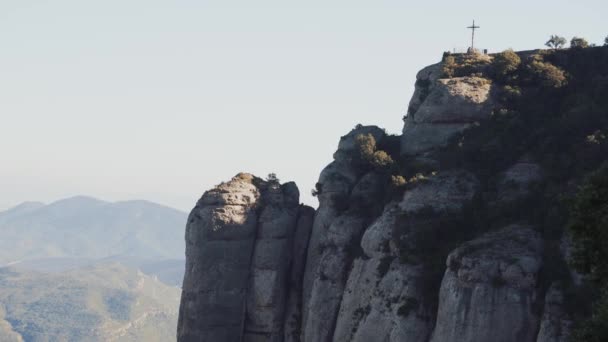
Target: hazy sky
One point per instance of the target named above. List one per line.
(160, 100)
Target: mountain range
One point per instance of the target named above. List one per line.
(85, 269)
(85, 227)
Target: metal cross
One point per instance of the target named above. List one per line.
(473, 27)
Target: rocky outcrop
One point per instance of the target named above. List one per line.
(442, 107)
(436, 256)
(515, 182)
(346, 207)
(382, 300)
(489, 291)
(239, 249)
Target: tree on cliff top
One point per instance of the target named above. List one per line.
(578, 42)
(556, 42)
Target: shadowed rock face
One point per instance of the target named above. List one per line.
(240, 249)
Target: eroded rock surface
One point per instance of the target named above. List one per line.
(442, 107)
(489, 290)
(444, 256)
(239, 250)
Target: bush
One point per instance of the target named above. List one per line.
(505, 64)
(369, 154)
(606, 41)
(398, 181)
(589, 226)
(381, 159)
(510, 94)
(471, 64)
(546, 73)
(449, 66)
(579, 43)
(317, 190)
(272, 178)
(596, 328)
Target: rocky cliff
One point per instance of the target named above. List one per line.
(450, 232)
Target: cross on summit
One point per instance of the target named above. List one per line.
(473, 27)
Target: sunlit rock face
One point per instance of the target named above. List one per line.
(442, 108)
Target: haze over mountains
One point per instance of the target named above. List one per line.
(85, 268)
(85, 227)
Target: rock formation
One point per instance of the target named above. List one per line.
(245, 241)
(446, 252)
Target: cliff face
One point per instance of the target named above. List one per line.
(468, 246)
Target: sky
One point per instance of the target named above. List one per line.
(162, 100)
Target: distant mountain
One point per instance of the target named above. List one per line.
(107, 302)
(84, 227)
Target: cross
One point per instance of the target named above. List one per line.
(473, 27)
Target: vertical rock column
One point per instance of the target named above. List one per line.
(239, 250)
(272, 257)
(220, 236)
(348, 194)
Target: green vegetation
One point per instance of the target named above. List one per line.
(545, 73)
(507, 68)
(550, 122)
(317, 190)
(556, 42)
(467, 65)
(554, 112)
(595, 329)
(370, 154)
(449, 66)
(90, 304)
(272, 178)
(589, 226)
(398, 181)
(578, 42)
(505, 64)
(510, 94)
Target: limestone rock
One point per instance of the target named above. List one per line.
(382, 297)
(489, 289)
(441, 108)
(515, 182)
(293, 311)
(334, 231)
(239, 252)
(445, 193)
(555, 324)
(370, 264)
